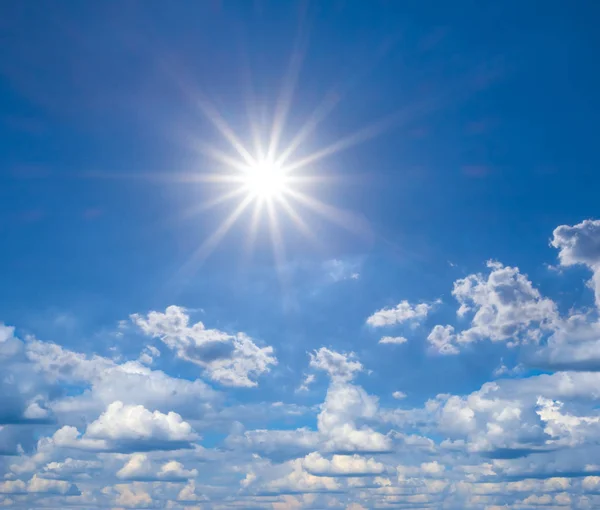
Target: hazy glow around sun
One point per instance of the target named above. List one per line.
(265, 180)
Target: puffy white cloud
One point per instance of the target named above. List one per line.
(442, 339)
(133, 495)
(107, 381)
(580, 244)
(6, 332)
(13, 487)
(402, 312)
(504, 306)
(174, 470)
(190, 493)
(38, 484)
(574, 345)
(339, 366)
(426, 469)
(137, 467)
(297, 479)
(342, 465)
(122, 423)
(345, 405)
(140, 467)
(393, 340)
(232, 360)
(399, 395)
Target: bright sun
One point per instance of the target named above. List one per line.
(265, 180)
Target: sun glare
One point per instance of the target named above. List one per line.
(265, 180)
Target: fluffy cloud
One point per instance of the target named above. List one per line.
(127, 424)
(340, 367)
(443, 339)
(580, 244)
(393, 340)
(402, 312)
(297, 480)
(38, 485)
(504, 306)
(87, 431)
(139, 467)
(232, 360)
(342, 465)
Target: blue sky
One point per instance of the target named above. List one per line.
(404, 313)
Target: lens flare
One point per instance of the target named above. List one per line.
(265, 180)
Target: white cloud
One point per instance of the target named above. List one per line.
(402, 312)
(397, 340)
(504, 306)
(37, 484)
(580, 244)
(342, 465)
(399, 395)
(6, 332)
(140, 467)
(442, 340)
(232, 360)
(308, 380)
(340, 367)
(131, 495)
(124, 423)
(298, 479)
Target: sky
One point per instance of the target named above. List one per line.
(299, 255)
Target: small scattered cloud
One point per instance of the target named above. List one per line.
(397, 340)
(399, 314)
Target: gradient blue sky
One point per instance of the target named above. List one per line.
(431, 338)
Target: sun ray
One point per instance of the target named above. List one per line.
(206, 248)
(371, 131)
(212, 114)
(296, 218)
(317, 116)
(252, 114)
(345, 219)
(277, 245)
(181, 177)
(205, 206)
(287, 92)
(219, 156)
(252, 233)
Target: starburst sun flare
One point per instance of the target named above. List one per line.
(266, 180)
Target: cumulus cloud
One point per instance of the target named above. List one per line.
(530, 441)
(342, 465)
(139, 467)
(443, 339)
(38, 485)
(580, 244)
(232, 360)
(297, 480)
(127, 424)
(402, 312)
(505, 307)
(339, 366)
